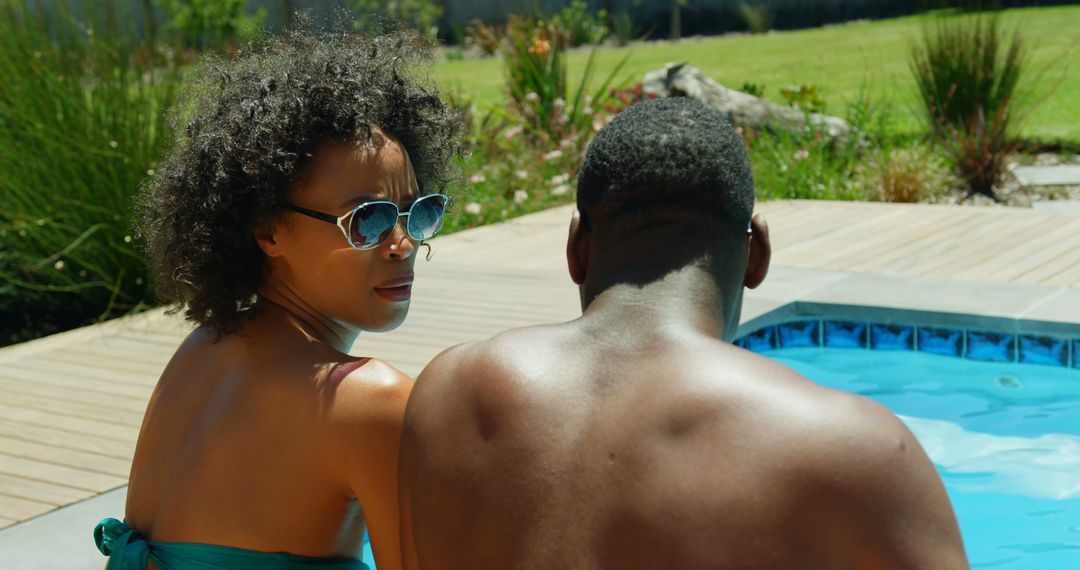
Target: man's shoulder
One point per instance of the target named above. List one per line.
(505, 364)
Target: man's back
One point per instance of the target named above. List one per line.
(590, 446)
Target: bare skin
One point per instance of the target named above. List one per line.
(274, 438)
(637, 437)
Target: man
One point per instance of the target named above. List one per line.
(637, 436)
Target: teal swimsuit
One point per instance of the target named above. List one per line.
(129, 550)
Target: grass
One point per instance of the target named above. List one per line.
(841, 60)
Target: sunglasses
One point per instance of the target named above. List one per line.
(368, 225)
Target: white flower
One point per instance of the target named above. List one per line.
(114, 144)
(127, 239)
(513, 132)
(520, 196)
(553, 154)
(560, 190)
(532, 96)
(59, 265)
(477, 178)
(521, 174)
(588, 110)
(560, 179)
(138, 281)
(558, 105)
(472, 208)
(802, 154)
(150, 172)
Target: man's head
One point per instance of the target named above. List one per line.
(665, 185)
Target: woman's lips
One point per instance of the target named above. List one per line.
(399, 289)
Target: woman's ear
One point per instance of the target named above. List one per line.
(267, 236)
(577, 248)
(759, 254)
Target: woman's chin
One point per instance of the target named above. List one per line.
(389, 322)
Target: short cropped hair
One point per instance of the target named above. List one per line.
(667, 160)
(247, 131)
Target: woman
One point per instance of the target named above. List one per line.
(285, 221)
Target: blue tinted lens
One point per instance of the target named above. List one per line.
(372, 223)
(426, 216)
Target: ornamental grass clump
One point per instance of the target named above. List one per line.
(81, 124)
(534, 61)
(969, 72)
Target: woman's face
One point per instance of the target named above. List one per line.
(366, 289)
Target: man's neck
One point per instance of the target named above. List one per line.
(278, 300)
(685, 300)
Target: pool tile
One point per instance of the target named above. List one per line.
(799, 334)
(946, 342)
(991, 347)
(844, 334)
(892, 337)
(761, 340)
(1044, 350)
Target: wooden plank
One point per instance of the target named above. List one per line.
(45, 364)
(47, 435)
(66, 457)
(61, 422)
(19, 508)
(74, 410)
(59, 474)
(978, 245)
(41, 491)
(97, 357)
(19, 371)
(900, 246)
(67, 394)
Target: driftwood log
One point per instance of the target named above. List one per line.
(745, 110)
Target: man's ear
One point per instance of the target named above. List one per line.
(759, 252)
(577, 249)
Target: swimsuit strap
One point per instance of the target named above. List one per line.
(113, 536)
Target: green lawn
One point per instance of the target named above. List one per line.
(840, 59)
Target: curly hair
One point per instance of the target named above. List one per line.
(252, 126)
(668, 157)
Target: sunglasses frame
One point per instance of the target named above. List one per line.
(345, 220)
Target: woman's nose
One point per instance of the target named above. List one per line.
(399, 246)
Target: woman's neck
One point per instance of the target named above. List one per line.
(278, 299)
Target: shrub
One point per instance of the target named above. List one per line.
(484, 36)
(969, 72)
(809, 164)
(420, 15)
(757, 17)
(581, 27)
(211, 24)
(805, 97)
(623, 28)
(534, 63)
(905, 175)
(81, 124)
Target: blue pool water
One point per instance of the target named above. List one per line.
(1005, 438)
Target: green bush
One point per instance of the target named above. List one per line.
(214, 25)
(421, 15)
(582, 28)
(534, 63)
(809, 164)
(757, 17)
(969, 74)
(81, 124)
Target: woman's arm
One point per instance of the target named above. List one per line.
(369, 409)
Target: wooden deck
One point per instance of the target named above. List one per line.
(71, 404)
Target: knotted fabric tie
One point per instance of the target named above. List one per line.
(125, 547)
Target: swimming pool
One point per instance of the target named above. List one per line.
(998, 413)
